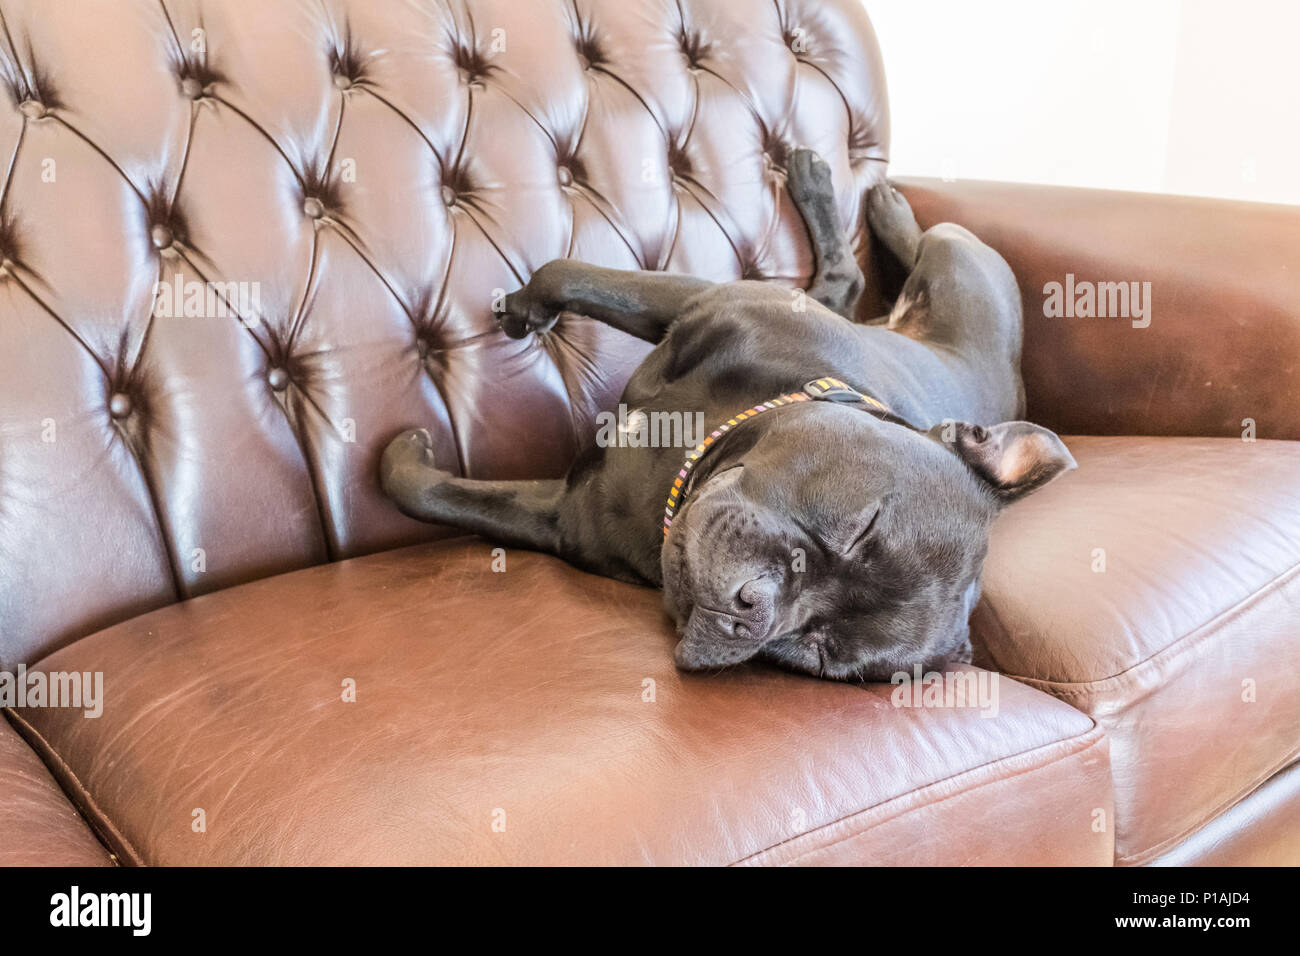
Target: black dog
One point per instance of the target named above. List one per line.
(819, 528)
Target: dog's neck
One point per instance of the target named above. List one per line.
(825, 389)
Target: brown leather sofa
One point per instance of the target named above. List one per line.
(295, 673)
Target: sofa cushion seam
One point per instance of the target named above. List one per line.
(1143, 856)
(1097, 735)
(1100, 737)
(95, 816)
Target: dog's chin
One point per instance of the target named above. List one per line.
(804, 656)
(692, 657)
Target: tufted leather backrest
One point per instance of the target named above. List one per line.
(244, 242)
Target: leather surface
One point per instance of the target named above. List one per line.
(1223, 344)
(522, 697)
(380, 171)
(1261, 830)
(38, 826)
(1183, 644)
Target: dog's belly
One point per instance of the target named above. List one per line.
(745, 343)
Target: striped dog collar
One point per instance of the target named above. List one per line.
(822, 389)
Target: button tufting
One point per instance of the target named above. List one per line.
(161, 237)
(693, 49)
(589, 52)
(679, 164)
(119, 406)
(268, 128)
(472, 64)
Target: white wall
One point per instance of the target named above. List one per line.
(1182, 96)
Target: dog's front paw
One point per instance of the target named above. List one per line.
(808, 176)
(408, 455)
(521, 314)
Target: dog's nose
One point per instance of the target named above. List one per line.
(753, 605)
(754, 593)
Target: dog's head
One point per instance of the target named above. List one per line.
(836, 543)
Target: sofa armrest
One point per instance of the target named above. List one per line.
(1220, 340)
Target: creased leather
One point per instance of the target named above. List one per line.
(38, 825)
(546, 699)
(1259, 831)
(1157, 588)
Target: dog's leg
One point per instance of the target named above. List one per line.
(837, 281)
(959, 293)
(520, 513)
(643, 304)
(893, 223)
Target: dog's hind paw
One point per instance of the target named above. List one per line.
(892, 221)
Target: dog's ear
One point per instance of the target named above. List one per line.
(1014, 458)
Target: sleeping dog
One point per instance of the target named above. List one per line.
(835, 515)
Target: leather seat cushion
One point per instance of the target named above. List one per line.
(38, 826)
(1182, 644)
(1259, 831)
(534, 716)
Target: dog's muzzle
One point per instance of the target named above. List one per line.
(716, 638)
